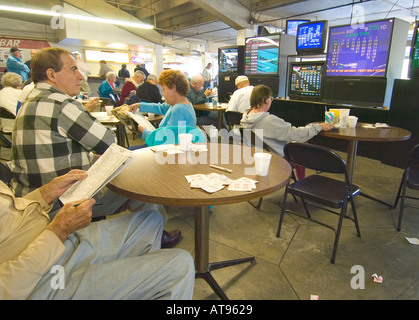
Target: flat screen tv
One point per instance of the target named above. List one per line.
(359, 51)
(311, 37)
(292, 26)
(262, 55)
(414, 54)
(305, 80)
(228, 59)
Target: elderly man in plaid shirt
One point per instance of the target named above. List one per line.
(54, 134)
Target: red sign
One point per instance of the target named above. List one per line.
(23, 44)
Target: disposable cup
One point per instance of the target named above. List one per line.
(328, 116)
(352, 120)
(151, 116)
(335, 115)
(109, 110)
(343, 117)
(262, 161)
(185, 141)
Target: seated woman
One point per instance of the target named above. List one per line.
(9, 96)
(177, 109)
(276, 131)
(106, 88)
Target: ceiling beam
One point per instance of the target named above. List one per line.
(231, 12)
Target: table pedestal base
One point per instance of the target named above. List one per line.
(202, 266)
(207, 276)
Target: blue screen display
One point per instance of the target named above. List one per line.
(359, 51)
(310, 36)
(292, 26)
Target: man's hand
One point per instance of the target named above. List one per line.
(208, 92)
(93, 104)
(57, 186)
(72, 217)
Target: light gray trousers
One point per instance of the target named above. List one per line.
(120, 258)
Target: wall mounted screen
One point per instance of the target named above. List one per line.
(359, 52)
(292, 26)
(311, 37)
(262, 55)
(306, 80)
(228, 60)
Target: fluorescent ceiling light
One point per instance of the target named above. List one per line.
(117, 45)
(77, 17)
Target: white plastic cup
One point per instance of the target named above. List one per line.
(109, 110)
(262, 161)
(344, 117)
(185, 141)
(151, 116)
(352, 120)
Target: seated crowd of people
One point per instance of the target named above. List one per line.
(54, 138)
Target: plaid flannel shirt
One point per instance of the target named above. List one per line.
(53, 134)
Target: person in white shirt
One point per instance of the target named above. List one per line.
(84, 71)
(240, 100)
(9, 95)
(206, 74)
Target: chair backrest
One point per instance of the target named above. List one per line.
(4, 142)
(169, 135)
(315, 157)
(5, 173)
(413, 161)
(251, 139)
(233, 118)
(4, 113)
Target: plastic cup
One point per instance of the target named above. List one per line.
(150, 116)
(344, 117)
(335, 115)
(185, 141)
(328, 116)
(352, 120)
(262, 161)
(109, 110)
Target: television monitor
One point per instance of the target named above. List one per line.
(292, 26)
(262, 55)
(359, 51)
(305, 80)
(228, 59)
(414, 54)
(311, 37)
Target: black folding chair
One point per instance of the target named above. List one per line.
(324, 191)
(410, 179)
(5, 173)
(232, 118)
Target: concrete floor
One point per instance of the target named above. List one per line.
(297, 265)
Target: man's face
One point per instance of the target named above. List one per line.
(17, 54)
(69, 79)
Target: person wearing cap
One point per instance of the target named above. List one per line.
(240, 100)
(14, 64)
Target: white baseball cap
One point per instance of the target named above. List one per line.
(241, 79)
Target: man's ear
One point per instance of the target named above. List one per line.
(50, 74)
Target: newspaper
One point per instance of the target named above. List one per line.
(141, 120)
(109, 165)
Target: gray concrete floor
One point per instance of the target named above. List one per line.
(297, 265)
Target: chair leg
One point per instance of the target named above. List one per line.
(358, 232)
(403, 182)
(338, 229)
(403, 198)
(281, 218)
